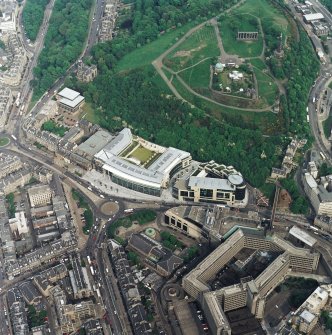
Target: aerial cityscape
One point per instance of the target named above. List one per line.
(165, 167)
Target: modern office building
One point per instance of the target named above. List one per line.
(69, 100)
(40, 195)
(319, 193)
(200, 222)
(122, 161)
(313, 17)
(214, 183)
(250, 292)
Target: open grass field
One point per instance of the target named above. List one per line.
(267, 88)
(257, 62)
(330, 85)
(142, 154)
(89, 114)
(199, 46)
(197, 76)
(265, 11)
(149, 52)
(4, 141)
(230, 25)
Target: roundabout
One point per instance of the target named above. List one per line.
(109, 208)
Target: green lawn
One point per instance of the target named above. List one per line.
(149, 52)
(265, 11)
(257, 62)
(197, 76)
(4, 141)
(143, 217)
(90, 114)
(54, 128)
(142, 154)
(200, 45)
(330, 85)
(267, 88)
(230, 25)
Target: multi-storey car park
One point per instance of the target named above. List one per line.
(250, 292)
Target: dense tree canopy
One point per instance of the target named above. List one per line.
(64, 42)
(33, 14)
(150, 18)
(133, 99)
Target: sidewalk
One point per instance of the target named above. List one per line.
(76, 214)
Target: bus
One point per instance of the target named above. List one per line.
(98, 293)
(92, 270)
(89, 260)
(17, 102)
(322, 155)
(308, 118)
(14, 137)
(129, 210)
(313, 100)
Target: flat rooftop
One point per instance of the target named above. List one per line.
(95, 142)
(211, 183)
(118, 143)
(72, 103)
(170, 158)
(70, 97)
(313, 16)
(68, 93)
(302, 236)
(131, 172)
